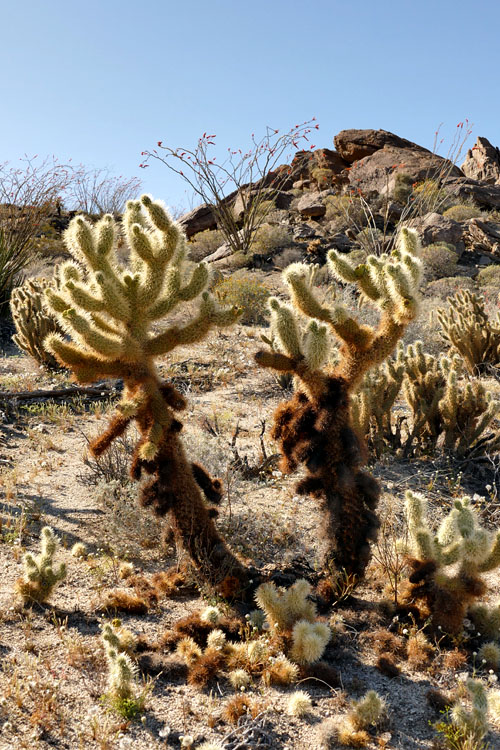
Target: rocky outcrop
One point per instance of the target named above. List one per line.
(377, 173)
(483, 162)
(353, 145)
(483, 236)
(198, 220)
(465, 189)
(436, 228)
(305, 162)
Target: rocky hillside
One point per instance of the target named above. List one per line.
(352, 198)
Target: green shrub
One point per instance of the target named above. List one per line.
(440, 260)
(489, 276)
(323, 177)
(346, 211)
(205, 243)
(245, 292)
(370, 240)
(269, 238)
(449, 286)
(462, 212)
(402, 188)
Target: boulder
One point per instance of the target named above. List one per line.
(311, 206)
(198, 220)
(376, 174)
(280, 198)
(483, 162)
(437, 228)
(353, 145)
(304, 162)
(465, 189)
(304, 232)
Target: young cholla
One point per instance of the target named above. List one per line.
(473, 724)
(469, 331)
(33, 321)
(122, 671)
(108, 311)
(292, 611)
(371, 405)
(40, 575)
(315, 427)
(461, 542)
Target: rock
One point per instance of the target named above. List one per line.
(482, 236)
(356, 144)
(465, 189)
(198, 220)
(304, 232)
(224, 251)
(483, 162)
(376, 174)
(341, 242)
(280, 198)
(436, 228)
(301, 184)
(304, 162)
(311, 205)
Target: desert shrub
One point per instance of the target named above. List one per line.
(205, 243)
(440, 260)
(462, 212)
(448, 286)
(370, 239)
(269, 237)
(489, 276)
(323, 177)
(469, 331)
(430, 197)
(290, 255)
(346, 211)
(33, 321)
(246, 293)
(402, 188)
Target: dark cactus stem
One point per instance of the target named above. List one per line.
(318, 434)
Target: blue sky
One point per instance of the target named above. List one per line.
(100, 81)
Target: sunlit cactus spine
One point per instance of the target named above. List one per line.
(447, 565)
(315, 427)
(41, 575)
(121, 669)
(109, 310)
(33, 321)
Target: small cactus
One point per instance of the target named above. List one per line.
(34, 321)
(472, 723)
(460, 546)
(40, 574)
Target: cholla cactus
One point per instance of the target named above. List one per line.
(108, 310)
(33, 321)
(368, 711)
(372, 403)
(315, 427)
(285, 607)
(461, 542)
(122, 671)
(309, 641)
(40, 574)
(299, 704)
(291, 611)
(473, 724)
(444, 406)
(486, 619)
(468, 330)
